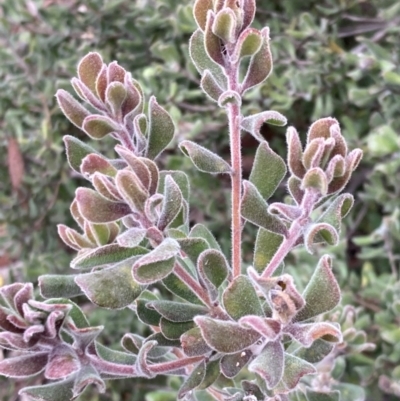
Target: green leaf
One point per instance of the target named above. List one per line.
(212, 373)
(224, 25)
(317, 352)
(193, 343)
(337, 210)
(232, 364)
(98, 126)
(177, 311)
(71, 108)
(174, 330)
(267, 243)
(161, 129)
(179, 288)
(106, 255)
(204, 159)
(59, 391)
(255, 210)
(200, 230)
(193, 247)
(210, 86)
(111, 288)
(315, 178)
(180, 178)
(268, 170)
(114, 356)
(213, 267)
(322, 293)
(194, 380)
(116, 94)
(248, 44)
(254, 123)
(313, 395)
(89, 68)
(172, 203)
(240, 299)
(145, 314)
(320, 232)
(54, 285)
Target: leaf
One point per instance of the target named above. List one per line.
(255, 210)
(161, 129)
(71, 108)
(337, 210)
(204, 159)
(157, 264)
(200, 10)
(145, 314)
(194, 380)
(248, 43)
(267, 243)
(111, 288)
(23, 366)
(59, 391)
(172, 203)
(175, 285)
(307, 333)
(268, 170)
(62, 362)
(105, 187)
(317, 352)
(76, 151)
(270, 363)
(98, 126)
(89, 68)
(87, 376)
(267, 327)
(212, 374)
(200, 230)
(174, 330)
(210, 86)
(229, 97)
(216, 332)
(294, 188)
(116, 94)
(315, 179)
(193, 247)
(106, 255)
(322, 293)
(193, 343)
(240, 299)
(295, 153)
(177, 311)
(224, 25)
(320, 232)
(313, 395)
(254, 123)
(232, 364)
(54, 285)
(260, 64)
(212, 43)
(93, 163)
(97, 209)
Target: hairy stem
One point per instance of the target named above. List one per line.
(296, 230)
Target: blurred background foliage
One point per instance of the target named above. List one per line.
(331, 58)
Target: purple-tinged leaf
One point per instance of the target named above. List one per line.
(133, 104)
(203, 62)
(193, 343)
(212, 43)
(76, 215)
(224, 25)
(255, 210)
(116, 94)
(97, 209)
(87, 95)
(111, 288)
(307, 333)
(241, 289)
(335, 168)
(177, 311)
(229, 97)
(210, 86)
(249, 11)
(32, 332)
(8, 293)
(295, 368)
(13, 341)
(270, 363)
(154, 173)
(174, 330)
(52, 326)
(72, 309)
(254, 123)
(97, 126)
(24, 366)
(72, 109)
(55, 285)
(319, 233)
(89, 68)
(133, 343)
(248, 44)
(337, 210)
(105, 187)
(288, 212)
(101, 83)
(64, 234)
(340, 145)
(268, 328)
(200, 10)
(140, 132)
(322, 293)
(315, 179)
(23, 295)
(115, 73)
(76, 151)
(205, 160)
(161, 129)
(142, 365)
(132, 190)
(95, 163)
(172, 203)
(194, 380)
(321, 128)
(215, 333)
(232, 364)
(157, 264)
(268, 170)
(131, 237)
(267, 243)
(260, 64)
(313, 395)
(295, 153)
(313, 153)
(59, 391)
(87, 376)
(62, 362)
(106, 255)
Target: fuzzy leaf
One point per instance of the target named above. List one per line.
(321, 128)
(87, 95)
(288, 212)
(76, 151)
(322, 293)
(193, 247)
(315, 178)
(200, 10)
(232, 364)
(193, 344)
(157, 264)
(24, 366)
(200, 230)
(240, 299)
(295, 153)
(131, 237)
(224, 25)
(294, 188)
(317, 352)
(180, 178)
(161, 129)
(267, 243)
(174, 330)
(194, 380)
(177, 311)
(87, 376)
(313, 395)
(213, 268)
(229, 97)
(105, 187)
(202, 61)
(115, 96)
(204, 159)
(59, 391)
(97, 126)
(268, 170)
(255, 210)
(216, 332)
(248, 44)
(72, 109)
(106, 255)
(89, 68)
(145, 314)
(54, 285)
(337, 210)
(179, 288)
(212, 373)
(93, 163)
(320, 232)
(111, 288)
(269, 364)
(260, 64)
(172, 203)
(254, 123)
(212, 42)
(62, 362)
(97, 209)
(132, 190)
(210, 86)
(268, 328)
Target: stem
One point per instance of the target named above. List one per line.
(113, 368)
(296, 230)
